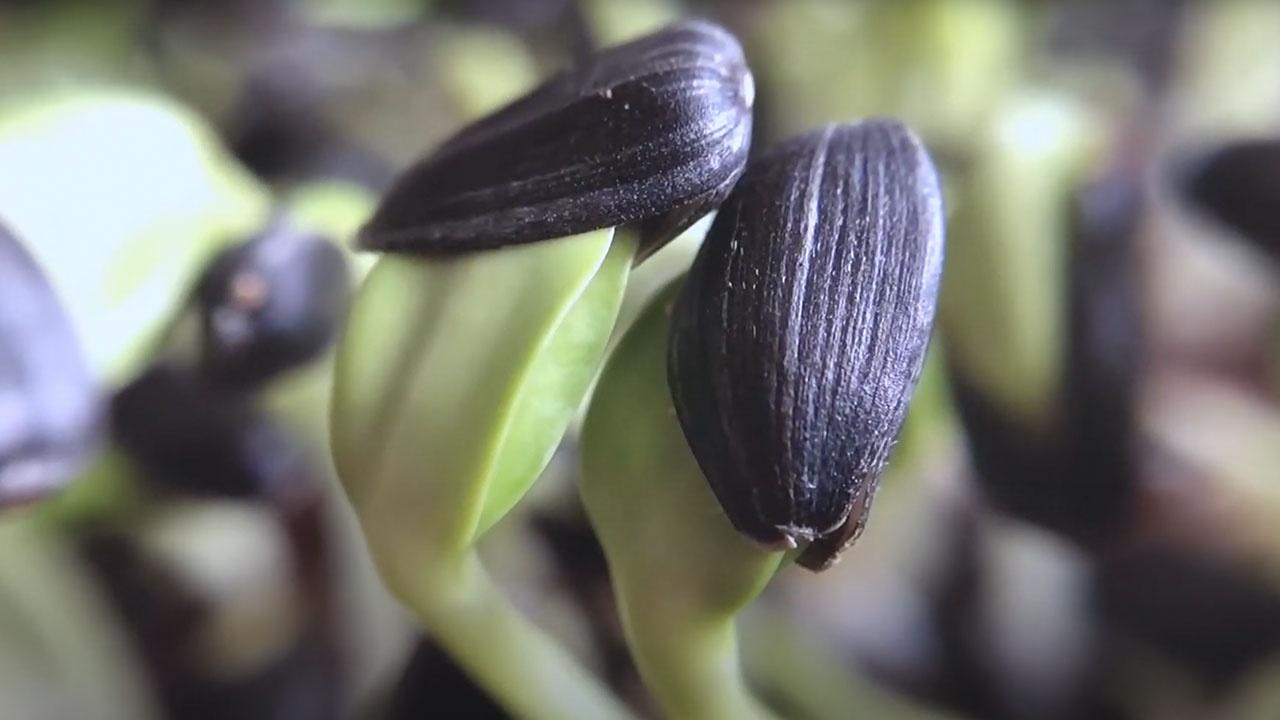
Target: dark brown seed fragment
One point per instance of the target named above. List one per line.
(800, 334)
(653, 132)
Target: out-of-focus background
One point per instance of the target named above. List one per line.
(1082, 519)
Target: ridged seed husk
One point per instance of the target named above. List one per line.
(802, 329)
(653, 132)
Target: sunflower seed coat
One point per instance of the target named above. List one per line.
(802, 329)
(653, 132)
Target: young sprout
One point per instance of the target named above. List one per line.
(653, 132)
(470, 348)
(1003, 308)
(798, 339)
(49, 402)
(1041, 314)
(680, 571)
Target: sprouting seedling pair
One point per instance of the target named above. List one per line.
(461, 370)
(793, 349)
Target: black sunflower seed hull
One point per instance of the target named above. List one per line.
(49, 402)
(1104, 350)
(1238, 185)
(269, 305)
(192, 438)
(653, 132)
(1075, 473)
(802, 329)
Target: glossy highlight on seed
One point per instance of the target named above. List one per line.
(270, 304)
(49, 402)
(798, 338)
(652, 133)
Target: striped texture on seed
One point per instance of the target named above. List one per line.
(802, 329)
(653, 132)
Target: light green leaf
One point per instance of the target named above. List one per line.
(121, 197)
(455, 381)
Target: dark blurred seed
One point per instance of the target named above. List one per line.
(285, 126)
(1104, 349)
(280, 131)
(652, 132)
(798, 338)
(432, 681)
(553, 30)
(516, 15)
(189, 437)
(170, 623)
(1144, 34)
(49, 402)
(1214, 618)
(269, 305)
(161, 614)
(1076, 475)
(1239, 186)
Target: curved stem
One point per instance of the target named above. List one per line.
(519, 664)
(691, 665)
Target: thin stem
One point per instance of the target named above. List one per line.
(692, 666)
(520, 665)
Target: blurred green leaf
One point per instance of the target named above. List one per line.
(483, 68)
(122, 197)
(615, 22)
(1230, 82)
(1003, 306)
(363, 14)
(940, 66)
(62, 652)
